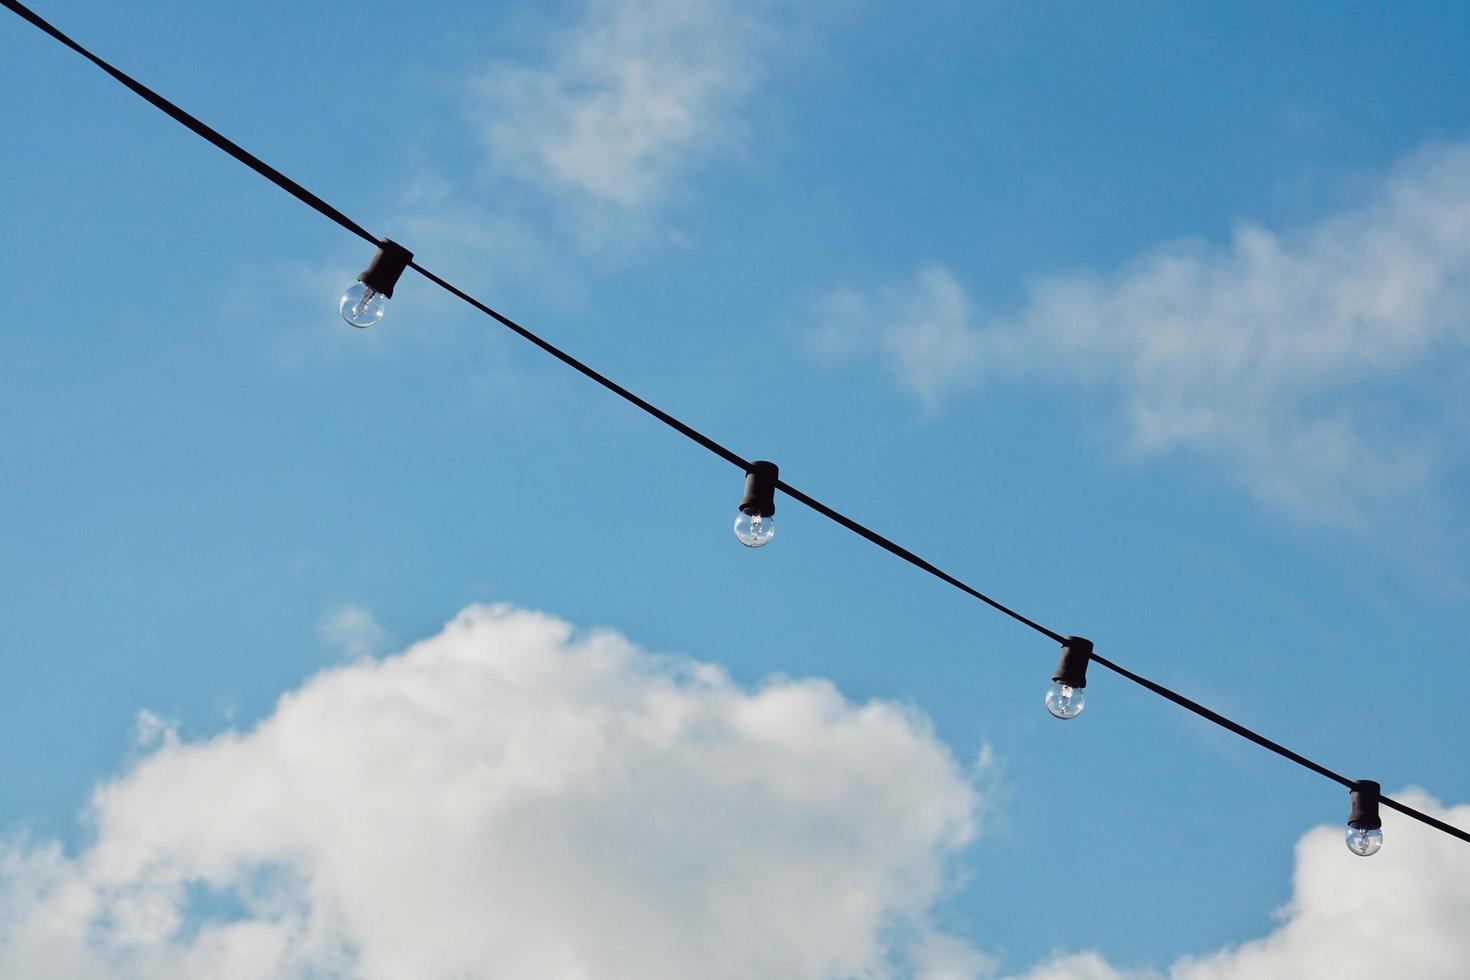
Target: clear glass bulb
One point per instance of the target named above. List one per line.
(1364, 842)
(361, 306)
(1065, 702)
(754, 530)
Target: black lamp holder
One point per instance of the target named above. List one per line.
(760, 489)
(383, 271)
(1363, 811)
(1072, 668)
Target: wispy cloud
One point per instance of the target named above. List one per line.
(352, 630)
(579, 155)
(509, 798)
(629, 100)
(923, 331)
(1321, 368)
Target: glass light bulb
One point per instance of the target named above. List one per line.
(1064, 701)
(361, 306)
(754, 530)
(1363, 841)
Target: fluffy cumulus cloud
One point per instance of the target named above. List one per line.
(1401, 913)
(636, 93)
(511, 798)
(1322, 368)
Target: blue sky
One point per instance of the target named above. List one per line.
(1150, 321)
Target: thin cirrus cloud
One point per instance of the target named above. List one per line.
(586, 148)
(511, 798)
(923, 331)
(635, 95)
(1399, 914)
(588, 143)
(352, 631)
(1321, 368)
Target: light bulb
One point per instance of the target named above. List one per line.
(1364, 829)
(1064, 701)
(1364, 841)
(753, 530)
(364, 302)
(754, 525)
(362, 306)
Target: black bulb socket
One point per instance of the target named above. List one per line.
(383, 271)
(760, 489)
(1363, 810)
(1072, 668)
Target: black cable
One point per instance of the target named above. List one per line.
(307, 197)
(561, 355)
(724, 453)
(198, 128)
(1425, 818)
(1222, 721)
(911, 558)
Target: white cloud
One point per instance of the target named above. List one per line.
(352, 630)
(511, 799)
(1401, 913)
(585, 148)
(1080, 966)
(1322, 369)
(924, 331)
(636, 93)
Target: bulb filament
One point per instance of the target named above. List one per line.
(360, 307)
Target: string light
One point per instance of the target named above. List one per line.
(365, 304)
(1065, 699)
(755, 523)
(1365, 829)
(365, 301)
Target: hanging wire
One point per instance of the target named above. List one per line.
(299, 192)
